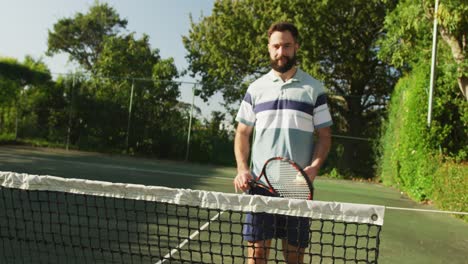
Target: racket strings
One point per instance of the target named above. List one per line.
(287, 180)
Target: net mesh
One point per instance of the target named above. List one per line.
(46, 219)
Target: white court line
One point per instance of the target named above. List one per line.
(151, 170)
(133, 168)
(425, 210)
(192, 236)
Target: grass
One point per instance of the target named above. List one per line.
(407, 237)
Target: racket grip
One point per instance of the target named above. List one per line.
(252, 184)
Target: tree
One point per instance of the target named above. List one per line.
(453, 17)
(409, 35)
(412, 151)
(44, 112)
(10, 79)
(122, 67)
(126, 60)
(227, 50)
(31, 71)
(131, 62)
(83, 36)
(16, 80)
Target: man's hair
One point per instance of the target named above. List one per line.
(284, 26)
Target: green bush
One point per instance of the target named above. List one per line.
(451, 187)
(7, 138)
(334, 174)
(406, 146)
(413, 155)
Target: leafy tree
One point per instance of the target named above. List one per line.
(122, 67)
(10, 80)
(16, 81)
(83, 36)
(31, 71)
(131, 61)
(407, 45)
(126, 60)
(409, 35)
(92, 109)
(227, 50)
(419, 159)
(44, 112)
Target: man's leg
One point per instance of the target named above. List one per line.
(292, 254)
(258, 252)
(258, 230)
(296, 238)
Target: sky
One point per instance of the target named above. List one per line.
(25, 24)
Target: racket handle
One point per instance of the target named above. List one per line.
(252, 183)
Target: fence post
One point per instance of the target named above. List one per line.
(433, 64)
(190, 123)
(70, 112)
(129, 116)
(18, 107)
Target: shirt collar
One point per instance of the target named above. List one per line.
(296, 78)
(271, 74)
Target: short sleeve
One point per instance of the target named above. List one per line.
(246, 114)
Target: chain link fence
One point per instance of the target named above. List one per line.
(136, 116)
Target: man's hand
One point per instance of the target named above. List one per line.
(241, 182)
(322, 147)
(311, 172)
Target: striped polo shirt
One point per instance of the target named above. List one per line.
(285, 116)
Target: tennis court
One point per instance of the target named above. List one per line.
(407, 237)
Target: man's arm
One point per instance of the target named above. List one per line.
(242, 150)
(322, 147)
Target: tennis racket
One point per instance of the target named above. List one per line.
(284, 178)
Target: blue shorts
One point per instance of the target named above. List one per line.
(263, 226)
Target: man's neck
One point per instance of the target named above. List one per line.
(286, 75)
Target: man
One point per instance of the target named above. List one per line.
(286, 107)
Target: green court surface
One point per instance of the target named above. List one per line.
(407, 236)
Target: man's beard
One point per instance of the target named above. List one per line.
(290, 62)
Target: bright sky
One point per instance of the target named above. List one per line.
(25, 24)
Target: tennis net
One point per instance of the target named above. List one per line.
(46, 219)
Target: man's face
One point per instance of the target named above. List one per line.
(282, 49)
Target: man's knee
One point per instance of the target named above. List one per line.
(258, 251)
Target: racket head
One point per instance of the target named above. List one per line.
(286, 178)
